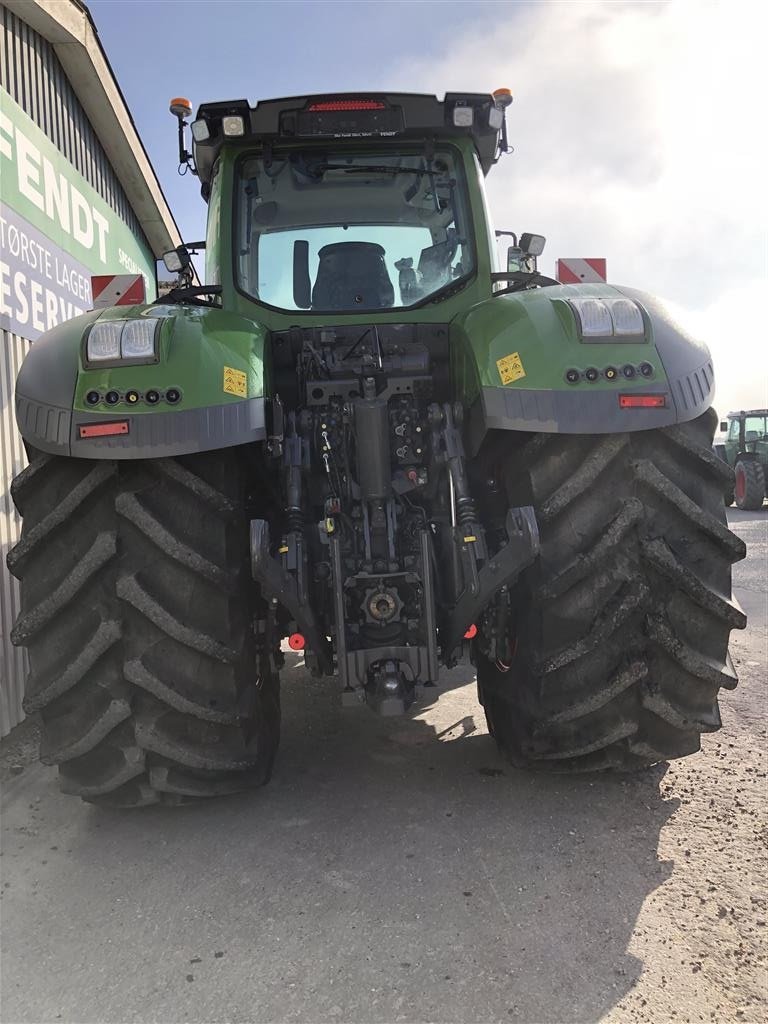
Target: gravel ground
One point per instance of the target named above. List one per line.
(397, 870)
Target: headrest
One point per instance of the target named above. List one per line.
(352, 275)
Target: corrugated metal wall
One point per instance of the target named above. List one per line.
(13, 660)
(30, 71)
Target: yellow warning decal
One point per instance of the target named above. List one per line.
(510, 368)
(235, 382)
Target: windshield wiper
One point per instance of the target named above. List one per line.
(371, 169)
(192, 294)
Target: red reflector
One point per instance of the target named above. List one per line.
(471, 632)
(332, 105)
(642, 401)
(104, 429)
(296, 642)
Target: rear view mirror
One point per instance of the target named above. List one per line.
(302, 286)
(515, 260)
(723, 426)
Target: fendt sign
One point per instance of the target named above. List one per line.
(55, 231)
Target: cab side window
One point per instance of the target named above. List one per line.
(755, 428)
(733, 431)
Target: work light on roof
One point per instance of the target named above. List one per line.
(463, 117)
(200, 130)
(233, 125)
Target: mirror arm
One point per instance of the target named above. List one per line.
(520, 279)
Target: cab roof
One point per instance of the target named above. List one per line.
(347, 117)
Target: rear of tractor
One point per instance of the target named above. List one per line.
(745, 449)
(361, 436)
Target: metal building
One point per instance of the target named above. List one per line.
(78, 196)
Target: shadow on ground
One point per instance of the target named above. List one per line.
(393, 870)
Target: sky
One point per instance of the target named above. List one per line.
(637, 128)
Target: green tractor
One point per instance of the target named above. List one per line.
(746, 451)
(363, 440)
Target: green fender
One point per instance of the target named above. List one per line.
(511, 354)
(214, 361)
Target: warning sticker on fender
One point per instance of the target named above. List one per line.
(235, 382)
(510, 368)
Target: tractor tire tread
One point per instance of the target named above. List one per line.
(136, 615)
(623, 622)
(754, 485)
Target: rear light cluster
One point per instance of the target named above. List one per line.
(133, 397)
(629, 372)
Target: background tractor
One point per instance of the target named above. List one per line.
(363, 437)
(745, 449)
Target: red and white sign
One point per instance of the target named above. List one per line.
(117, 290)
(586, 271)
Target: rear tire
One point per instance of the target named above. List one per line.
(620, 638)
(137, 612)
(749, 491)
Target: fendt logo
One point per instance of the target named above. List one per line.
(55, 231)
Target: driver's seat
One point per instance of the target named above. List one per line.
(352, 275)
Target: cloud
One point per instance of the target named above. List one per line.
(638, 137)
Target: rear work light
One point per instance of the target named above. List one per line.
(608, 317)
(233, 126)
(642, 401)
(124, 341)
(338, 105)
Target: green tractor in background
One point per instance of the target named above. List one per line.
(745, 449)
(364, 439)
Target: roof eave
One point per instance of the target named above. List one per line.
(69, 29)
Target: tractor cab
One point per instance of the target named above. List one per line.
(347, 204)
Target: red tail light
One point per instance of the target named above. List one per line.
(339, 105)
(642, 401)
(296, 642)
(471, 632)
(104, 429)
